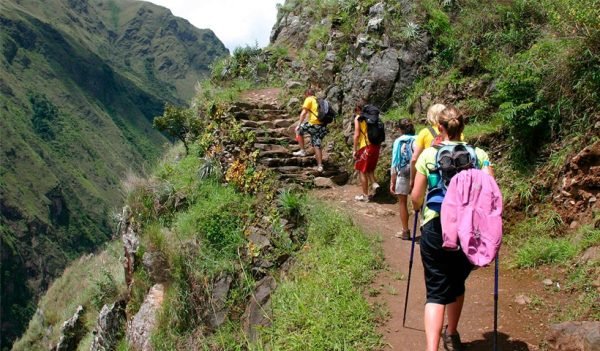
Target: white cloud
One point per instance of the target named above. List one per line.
(235, 22)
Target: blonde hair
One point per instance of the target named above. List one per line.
(433, 113)
(452, 120)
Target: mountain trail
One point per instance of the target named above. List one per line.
(522, 315)
(520, 326)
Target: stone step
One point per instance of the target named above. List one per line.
(270, 147)
(277, 132)
(290, 161)
(261, 115)
(275, 140)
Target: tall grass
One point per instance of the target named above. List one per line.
(322, 306)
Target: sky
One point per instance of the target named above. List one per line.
(235, 22)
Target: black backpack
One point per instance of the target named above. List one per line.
(450, 159)
(326, 113)
(375, 128)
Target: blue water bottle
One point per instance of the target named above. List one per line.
(433, 179)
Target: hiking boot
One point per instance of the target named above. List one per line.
(319, 169)
(404, 234)
(300, 153)
(362, 198)
(375, 186)
(452, 342)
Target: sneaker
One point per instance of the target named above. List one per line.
(375, 186)
(300, 153)
(451, 342)
(361, 197)
(403, 234)
(319, 169)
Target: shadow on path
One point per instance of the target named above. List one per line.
(504, 344)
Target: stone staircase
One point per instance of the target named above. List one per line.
(275, 138)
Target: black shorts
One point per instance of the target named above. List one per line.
(445, 271)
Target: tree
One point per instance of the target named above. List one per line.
(180, 123)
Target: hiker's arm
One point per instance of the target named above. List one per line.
(393, 183)
(418, 191)
(413, 164)
(356, 136)
(488, 169)
(303, 115)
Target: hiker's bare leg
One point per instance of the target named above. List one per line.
(454, 310)
(364, 183)
(403, 203)
(319, 156)
(301, 142)
(371, 176)
(434, 319)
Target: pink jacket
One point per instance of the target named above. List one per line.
(471, 216)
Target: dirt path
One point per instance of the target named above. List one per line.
(519, 327)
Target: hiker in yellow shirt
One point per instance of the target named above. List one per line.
(317, 131)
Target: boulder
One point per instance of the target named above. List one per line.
(258, 312)
(109, 327)
(72, 331)
(574, 336)
(322, 182)
(141, 326)
(218, 308)
(156, 264)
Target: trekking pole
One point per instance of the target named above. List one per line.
(496, 305)
(410, 264)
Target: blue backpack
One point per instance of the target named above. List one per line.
(450, 159)
(403, 147)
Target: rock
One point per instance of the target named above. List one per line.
(218, 308)
(258, 312)
(131, 244)
(141, 326)
(293, 84)
(574, 225)
(322, 182)
(574, 336)
(72, 331)
(547, 282)
(258, 237)
(156, 264)
(523, 300)
(293, 103)
(109, 327)
(592, 199)
(591, 256)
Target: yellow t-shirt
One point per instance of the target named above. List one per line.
(424, 138)
(310, 103)
(427, 157)
(362, 136)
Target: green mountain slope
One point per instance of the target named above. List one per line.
(80, 82)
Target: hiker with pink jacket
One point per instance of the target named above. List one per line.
(446, 270)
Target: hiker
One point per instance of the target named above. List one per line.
(312, 126)
(426, 137)
(365, 152)
(402, 151)
(445, 270)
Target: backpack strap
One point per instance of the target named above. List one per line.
(432, 131)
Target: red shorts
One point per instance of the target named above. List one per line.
(366, 158)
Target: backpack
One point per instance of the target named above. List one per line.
(437, 137)
(471, 216)
(326, 113)
(403, 148)
(375, 128)
(450, 159)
